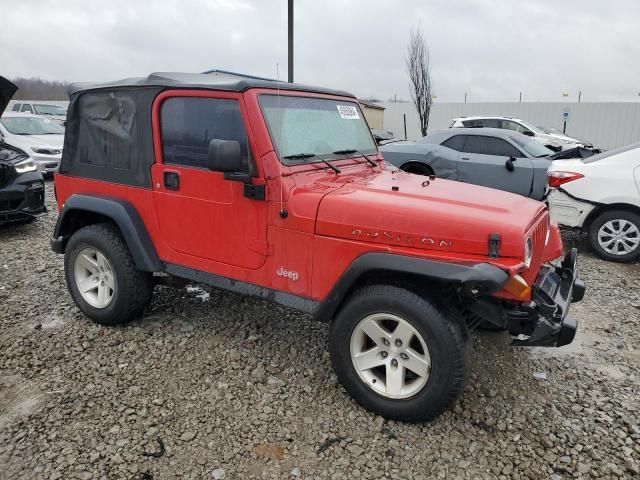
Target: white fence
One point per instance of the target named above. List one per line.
(607, 125)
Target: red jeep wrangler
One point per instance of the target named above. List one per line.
(278, 190)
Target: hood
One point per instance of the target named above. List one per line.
(396, 208)
(53, 141)
(7, 89)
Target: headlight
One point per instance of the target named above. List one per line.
(546, 239)
(46, 151)
(25, 166)
(528, 252)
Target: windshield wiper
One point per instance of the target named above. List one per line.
(300, 156)
(347, 151)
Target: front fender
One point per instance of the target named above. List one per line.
(474, 279)
(122, 213)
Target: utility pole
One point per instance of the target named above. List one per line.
(465, 97)
(579, 95)
(520, 101)
(290, 22)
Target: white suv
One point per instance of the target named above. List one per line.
(555, 141)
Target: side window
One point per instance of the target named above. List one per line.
(27, 108)
(490, 146)
(188, 124)
(491, 123)
(471, 123)
(456, 142)
(16, 107)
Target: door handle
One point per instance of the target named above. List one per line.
(464, 158)
(171, 180)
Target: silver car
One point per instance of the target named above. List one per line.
(41, 137)
(489, 157)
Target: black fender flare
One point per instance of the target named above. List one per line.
(476, 279)
(123, 214)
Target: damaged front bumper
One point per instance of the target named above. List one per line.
(544, 321)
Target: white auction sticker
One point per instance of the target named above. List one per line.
(348, 112)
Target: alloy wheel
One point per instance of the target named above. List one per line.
(390, 356)
(619, 237)
(94, 277)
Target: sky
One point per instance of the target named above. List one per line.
(492, 50)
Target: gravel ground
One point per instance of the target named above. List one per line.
(213, 385)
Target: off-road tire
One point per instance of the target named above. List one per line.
(133, 288)
(605, 217)
(441, 327)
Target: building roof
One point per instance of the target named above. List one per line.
(211, 80)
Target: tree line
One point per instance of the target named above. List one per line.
(39, 89)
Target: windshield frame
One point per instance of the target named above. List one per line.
(319, 157)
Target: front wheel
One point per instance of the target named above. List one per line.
(399, 355)
(615, 235)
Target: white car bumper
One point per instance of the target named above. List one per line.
(47, 164)
(566, 211)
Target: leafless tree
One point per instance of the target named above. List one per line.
(419, 68)
(39, 89)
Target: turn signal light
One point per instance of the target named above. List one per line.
(558, 178)
(517, 286)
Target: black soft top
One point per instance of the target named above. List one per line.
(211, 80)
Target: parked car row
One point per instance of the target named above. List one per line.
(586, 189)
(21, 185)
(549, 137)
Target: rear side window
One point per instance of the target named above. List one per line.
(27, 108)
(187, 126)
(490, 146)
(456, 142)
(16, 107)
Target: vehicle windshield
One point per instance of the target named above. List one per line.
(32, 126)
(531, 127)
(532, 147)
(552, 130)
(300, 126)
(50, 110)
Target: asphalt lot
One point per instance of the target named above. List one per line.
(213, 385)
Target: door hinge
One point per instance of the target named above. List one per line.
(255, 192)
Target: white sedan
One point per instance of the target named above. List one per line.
(41, 137)
(601, 196)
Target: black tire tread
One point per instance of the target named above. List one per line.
(456, 329)
(602, 218)
(134, 287)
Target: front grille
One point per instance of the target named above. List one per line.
(10, 201)
(35, 198)
(6, 172)
(538, 233)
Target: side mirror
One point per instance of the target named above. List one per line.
(509, 163)
(224, 156)
(528, 133)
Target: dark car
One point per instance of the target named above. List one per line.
(490, 157)
(21, 186)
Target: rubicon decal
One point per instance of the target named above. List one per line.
(409, 240)
(290, 274)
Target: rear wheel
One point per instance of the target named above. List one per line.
(615, 235)
(102, 277)
(418, 169)
(399, 355)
